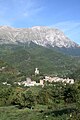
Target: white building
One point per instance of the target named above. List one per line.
(36, 71)
(41, 82)
(57, 79)
(28, 80)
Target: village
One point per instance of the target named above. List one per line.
(30, 82)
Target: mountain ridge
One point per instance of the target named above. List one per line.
(40, 35)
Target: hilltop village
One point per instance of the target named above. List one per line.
(30, 82)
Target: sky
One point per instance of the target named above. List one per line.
(61, 14)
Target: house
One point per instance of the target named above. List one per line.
(57, 79)
(41, 82)
(28, 80)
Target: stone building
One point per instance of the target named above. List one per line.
(36, 71)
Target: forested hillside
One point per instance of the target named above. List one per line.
(26, 57)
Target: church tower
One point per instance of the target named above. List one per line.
(36, 71)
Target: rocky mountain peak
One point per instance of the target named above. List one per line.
(40, 35)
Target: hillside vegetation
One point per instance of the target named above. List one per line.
(52, 102)
(25, 57)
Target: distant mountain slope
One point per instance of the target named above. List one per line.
(40, 35)
(25, 57)
(72, 51)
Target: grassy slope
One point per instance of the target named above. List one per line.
(40, 112)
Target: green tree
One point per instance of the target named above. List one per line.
(70, 94)
(43, 96)
(6, 95)
(24, 99)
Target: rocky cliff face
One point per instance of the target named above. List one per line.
(43, 36)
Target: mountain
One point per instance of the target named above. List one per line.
(72, 51)
(40, 35)
(42, 47)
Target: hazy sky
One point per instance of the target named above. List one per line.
(63, 14)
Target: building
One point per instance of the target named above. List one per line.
(28, 80)
(57, 79)
(41, 82)
(36, 71)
